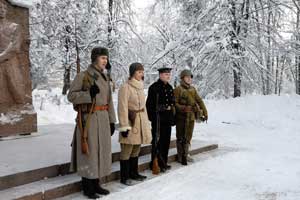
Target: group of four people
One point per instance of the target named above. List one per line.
(91, 95)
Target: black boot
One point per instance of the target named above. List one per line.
(184, 160)
(89, 188)
(134, 170)
(162, 165)
(168, 167)
(124, 167)
(99, 189)
(150, 165)
(165, 158)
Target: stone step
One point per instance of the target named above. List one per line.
(26, 177)
(61, 186)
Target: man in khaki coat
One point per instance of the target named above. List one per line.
(189, 108)
(134, 124)
(88, 87)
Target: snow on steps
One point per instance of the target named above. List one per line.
(60, 186)
(30, 176)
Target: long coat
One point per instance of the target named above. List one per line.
(98, 163)
(132, 97)
(186, 95)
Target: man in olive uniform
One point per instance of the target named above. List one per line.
(90, 92)
(160, 101)
(189, 107)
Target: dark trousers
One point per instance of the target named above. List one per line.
(163, 143)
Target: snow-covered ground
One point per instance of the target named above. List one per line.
(258, 158)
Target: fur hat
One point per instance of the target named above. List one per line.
(100, 51)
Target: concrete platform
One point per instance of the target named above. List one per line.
(45, 155)
(61, 186)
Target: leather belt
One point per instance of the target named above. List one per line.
(101, 108)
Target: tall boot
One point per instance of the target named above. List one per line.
(165, 158)
(179, 147)
(88, 188)
(161, 164)
(185, 154)
(124, 166)
(184, 160)
(134, 170)
(99, 189)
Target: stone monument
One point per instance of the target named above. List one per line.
(17, 115)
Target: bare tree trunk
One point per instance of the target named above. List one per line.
(277, 75)
(297, 58)
(237, 80)
(110, 26)
(67, 66)
(268, 85)
(67, 81)
(281, 77)
(235, 47)
(261, 52)
(238, 29)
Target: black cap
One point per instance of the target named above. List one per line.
(164, 70)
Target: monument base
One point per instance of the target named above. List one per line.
(17, 124)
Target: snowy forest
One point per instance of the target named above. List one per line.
(233, 47)
(202, 100)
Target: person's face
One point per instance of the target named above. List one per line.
(3, 9)
(101, 62)
(139, 75)
(188, 79)
(165, 77)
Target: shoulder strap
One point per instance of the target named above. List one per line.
(87, 80)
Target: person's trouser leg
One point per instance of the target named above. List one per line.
(180, 134)
(165, 144)
(189, 135)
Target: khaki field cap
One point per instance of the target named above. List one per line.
(186, 72)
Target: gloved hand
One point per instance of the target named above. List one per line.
(112, 128)
(187, 109)
(94, 90)
(125, 133)
(205, 118)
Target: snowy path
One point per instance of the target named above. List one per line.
(258, 159)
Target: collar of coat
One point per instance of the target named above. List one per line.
(93, 71)
(162, 83)
(185, 85)
(136, 84)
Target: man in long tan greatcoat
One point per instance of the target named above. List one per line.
(90, 92)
